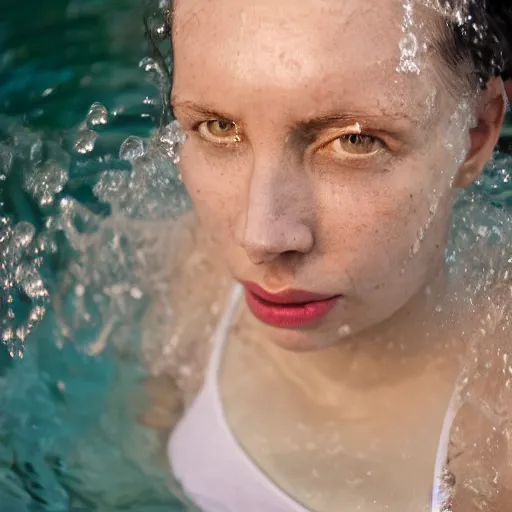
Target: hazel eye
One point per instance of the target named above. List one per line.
(219, 131)
(356, 144)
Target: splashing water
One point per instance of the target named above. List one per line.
(106, 257)
(409, 43)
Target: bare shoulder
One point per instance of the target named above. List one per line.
(184, 308)
(479, 458)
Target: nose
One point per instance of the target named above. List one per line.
(278, 216)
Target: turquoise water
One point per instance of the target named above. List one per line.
(70, 438)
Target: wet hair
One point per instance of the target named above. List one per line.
(478, 33)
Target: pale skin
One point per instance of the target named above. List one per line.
(313, 164)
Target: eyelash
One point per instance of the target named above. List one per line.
(196, 128)
(355, 156)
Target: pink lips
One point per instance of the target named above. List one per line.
(289, 308)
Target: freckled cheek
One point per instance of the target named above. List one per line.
(215, 191)
(371, 228)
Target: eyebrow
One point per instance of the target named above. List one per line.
(324, 121)
(200, 109)
(313, 124)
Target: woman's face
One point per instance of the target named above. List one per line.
(315, 158)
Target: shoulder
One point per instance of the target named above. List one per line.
(480, 451)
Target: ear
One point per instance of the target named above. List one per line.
(484, 136)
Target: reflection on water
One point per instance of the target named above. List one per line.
(87, 187)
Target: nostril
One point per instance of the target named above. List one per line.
(289, 254)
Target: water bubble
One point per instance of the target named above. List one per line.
(132, 148)
(22, 235)
(408, 50)
(22, 332)
(29, 279)
(409, 43)
(98, 115)
(37, 313)
(169, 138)
(45, 183)
(86, 141)
(149, 65)
(136, 293)
(159, 29)
(8, 335)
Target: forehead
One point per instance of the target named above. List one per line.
(295, 50)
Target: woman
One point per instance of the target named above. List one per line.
(326, 143)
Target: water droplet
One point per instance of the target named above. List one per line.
(86, 141)
(132, 148)
(8, 335)
(6, 159)
(23, 234)
(30, 281)
(22, 332)
(136, 293)
(36, 152)
(169, 138)
(149, 65)
(37, 313)
(344, 331)
(47, 92)
(98, 115)
(415, 249)
(46, 183)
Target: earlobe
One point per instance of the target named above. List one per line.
(485, 135)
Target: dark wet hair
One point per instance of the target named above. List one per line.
(478, 32)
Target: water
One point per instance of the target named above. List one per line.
(70, 435)
(86, 186)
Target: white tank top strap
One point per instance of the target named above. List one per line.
(441, 495)
(220, 335)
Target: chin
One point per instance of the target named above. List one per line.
(297, 340)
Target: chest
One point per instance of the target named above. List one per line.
(370, 451)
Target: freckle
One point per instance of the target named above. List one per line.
(410, 196)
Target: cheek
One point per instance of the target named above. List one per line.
(383, 228)
(213, 189)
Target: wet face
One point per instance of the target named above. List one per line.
(314, 164)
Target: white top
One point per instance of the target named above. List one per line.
(216, 473)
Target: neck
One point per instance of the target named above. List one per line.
(415, 341)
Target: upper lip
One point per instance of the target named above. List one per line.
(289, 296)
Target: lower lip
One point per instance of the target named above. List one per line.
(291, 316)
